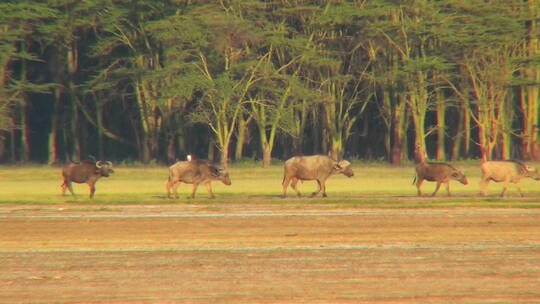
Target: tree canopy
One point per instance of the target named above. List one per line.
(152, 81)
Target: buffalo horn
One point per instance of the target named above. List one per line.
(109, 163)
(344, 163)
(99, 164)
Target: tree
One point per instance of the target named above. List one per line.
(136, 56)
(22, 25)
(230, 69)
(486, 62)
(528, 91)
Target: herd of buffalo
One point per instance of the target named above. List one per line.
(301, 168)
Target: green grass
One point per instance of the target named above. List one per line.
(374, 185)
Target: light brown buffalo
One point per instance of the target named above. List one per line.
(85, 172)
(314, 167)
(505, 171)
(194, 172)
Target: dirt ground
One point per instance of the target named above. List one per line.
(181, 253)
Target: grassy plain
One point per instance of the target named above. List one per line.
(374, 185)
(371, 241)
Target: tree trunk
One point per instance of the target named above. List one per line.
(466, 130)
(267, 155)
(301, 114)
(397, 146)
(211, 150)
(53, 153)
(417, 101)
(144, 150)
(505, 140)
(486, 147)
(13, 145)
(225, 156)
(458, 138)
(25, 125)
(171, 150)
(99, 123)
(75, 153)
(317, 133)
(25, 133)
(419, 128)
(336, 148)
(399, 129)
(440, 153)
(144, 142)
(529, 95)
(241, 137)
(3, 148)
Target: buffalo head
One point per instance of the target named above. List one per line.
(459, 176)
(104, 168)
(343, 167)
(532, 173)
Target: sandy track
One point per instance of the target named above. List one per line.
(267, 254)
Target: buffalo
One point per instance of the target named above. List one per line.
(195, 172)
(85, 172)
(313, 167)
(441, 173)
(506, 171)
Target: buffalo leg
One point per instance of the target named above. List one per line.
(209, 188)
(447, 184)
(323, 186)
(436, 189)
(418, 185)
(67, 185)
(168, 187)
(483, 185)
(318, 189)
(285, 185)
(92, 189)
(519, 190)
(195, 185)
(174, 187)
(505, 186)
(293, 185)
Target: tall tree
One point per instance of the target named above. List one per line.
(135, 55)
(23, 24)
(528, 92)
(486, 63)
(230, 69)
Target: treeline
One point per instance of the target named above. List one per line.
(154, 80)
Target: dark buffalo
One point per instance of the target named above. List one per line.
(195, 172)
(314, 167)
(441, 173)
(85, 172)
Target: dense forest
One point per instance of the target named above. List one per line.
(153, 80)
